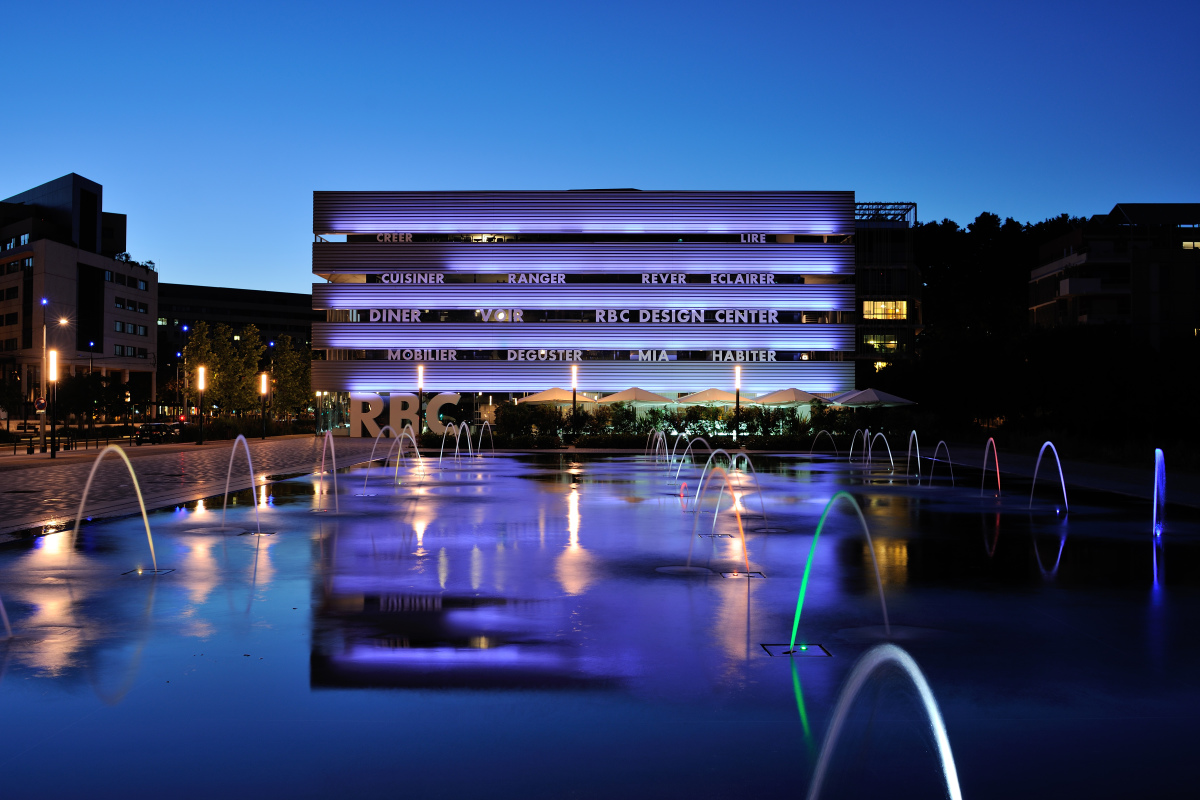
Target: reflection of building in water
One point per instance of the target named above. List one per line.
(892, 557)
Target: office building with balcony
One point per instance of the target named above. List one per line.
(1137, 265)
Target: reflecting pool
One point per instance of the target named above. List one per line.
(503, 627)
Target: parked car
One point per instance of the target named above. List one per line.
(154, 433)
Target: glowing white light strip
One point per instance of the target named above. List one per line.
(541, 335)
(524, 376)
(470, 296)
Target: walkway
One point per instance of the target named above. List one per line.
(36, 491)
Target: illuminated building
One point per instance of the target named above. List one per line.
(502, 292)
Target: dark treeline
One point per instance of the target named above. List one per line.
(981, 369)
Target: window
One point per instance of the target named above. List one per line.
(119, 326)
(143, 308)
(1191, 245)
(24, 239)
(118, 350)
(12, 266)
(119, 278)
(11, 243)
(881, 342)
(11, 293)
(162, 320)
(237, 338)
(885, 309)
(141, 352)
(10, 319)
(141, 285)
(10, 344)
(120, 302)
(141, 330)
(108, 276)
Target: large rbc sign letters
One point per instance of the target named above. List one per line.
(366, 409)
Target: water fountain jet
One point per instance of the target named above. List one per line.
(818, 436)
(933, 461)
(912, 437)
(991, 445)
(87, 487)
(229, 473)
(871, 661)
(1062, 482)
(812, 551)
(327, 441)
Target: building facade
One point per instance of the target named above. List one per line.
(65, 279)
(181, 306)
(1138, 265)
(506, 292)
(888, 285)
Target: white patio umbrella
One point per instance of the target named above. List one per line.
(638, 397)
(788, 397)
(875, 399)
(837, 399)
(554, 397)
(710, 397)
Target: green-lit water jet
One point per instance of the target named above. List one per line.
(812, 551)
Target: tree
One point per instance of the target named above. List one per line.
(242, 370)
(198, 352)
(293, 377)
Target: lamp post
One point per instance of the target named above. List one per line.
(420, 385)
(737, 399)
(42, 394)
(200, 388)
(52, 376)
(262, 389)
(574, 382)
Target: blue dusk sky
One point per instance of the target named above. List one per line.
(210, 124)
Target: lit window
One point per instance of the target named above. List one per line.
(1191, 245)
(885, 309)
(881, 342)
(24, 239)
(237, 338)
(880, 365)
(162, 320)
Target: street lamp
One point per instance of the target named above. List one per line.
(42, 423)
(200, 388)
(420, 384)
(262, 389)
(574, 381)
(737, 399)
(52, 376)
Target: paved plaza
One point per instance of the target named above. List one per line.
(36, 491)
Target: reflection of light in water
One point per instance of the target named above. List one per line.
(575, 568)
(498, 569)
(200, 509)
(892, 557)
(730, 620)
(476, 567)
(573, 517)
(52, 545)
(443, 567)
(262, 500)
(55, 651)
(419, 526)
(542, 525)
(262, 570)
(201, 573)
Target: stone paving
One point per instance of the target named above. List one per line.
(36, 491)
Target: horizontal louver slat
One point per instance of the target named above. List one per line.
(583, 257)
(584, 211)
(564, 297)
